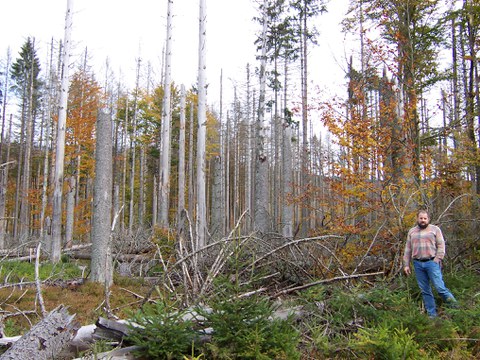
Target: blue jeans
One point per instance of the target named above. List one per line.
(426, 272)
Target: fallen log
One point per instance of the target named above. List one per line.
(48, 337)
(110, 329)
(117, 354)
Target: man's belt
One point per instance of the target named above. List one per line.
(425, 259)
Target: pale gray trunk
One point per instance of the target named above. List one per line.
(287, 170)
(155, 201)
(70, 213)
(116, 202)
(46, 158)
(56, 243)
(227, 174)
(236, 155)
(3, 191)
(4, 166)
(24, 220)
(202, 129)
(181, 156)
(5, 101)
(222, 160)
(46, 339)
(125, 161)
(101, 265)
(248, 160)
(191, 170)
(261, 211)
(133, 144)
(141, 195)
(217, 211)
(304, 156)
(164, 181)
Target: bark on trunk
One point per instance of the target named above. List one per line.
(56, 243)
(202, 129)
(261, 208)
(164, 180)
(181, 156)
(102, 203)
(46, 339)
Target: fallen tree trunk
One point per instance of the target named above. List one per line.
(46, 339)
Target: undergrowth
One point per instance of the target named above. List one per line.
(359, 319)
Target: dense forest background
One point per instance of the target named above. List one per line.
(281, 187)
(280, 158)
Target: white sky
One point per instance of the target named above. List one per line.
(124, 30)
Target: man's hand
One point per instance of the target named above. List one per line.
(407, 270)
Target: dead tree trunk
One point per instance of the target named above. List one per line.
(46, 339)
(102, 203)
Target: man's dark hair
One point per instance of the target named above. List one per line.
(423, 211)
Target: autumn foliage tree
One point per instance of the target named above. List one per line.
(85, 97)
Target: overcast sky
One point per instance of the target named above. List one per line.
(124, 30)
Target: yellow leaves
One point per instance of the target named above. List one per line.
(84, 101)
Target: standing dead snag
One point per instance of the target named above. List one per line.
(46, 339)
(101, 264)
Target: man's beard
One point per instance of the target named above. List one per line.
(422, 225)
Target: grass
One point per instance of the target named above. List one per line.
(87, 300)
(358, 319)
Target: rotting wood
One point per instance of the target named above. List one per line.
(48, 337)
(117, 354)
(110, 329)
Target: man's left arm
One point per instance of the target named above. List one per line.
(440, 243)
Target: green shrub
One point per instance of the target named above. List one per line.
(243, 329)
(162, 333)
(386, 343)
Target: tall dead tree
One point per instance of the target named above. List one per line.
(133, 145)
(202, 129)
(102, 268)
(261, 215)
(56, 243)
(4, 165)
(164, 180)
(181, 156)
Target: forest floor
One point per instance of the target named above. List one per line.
(365, 317)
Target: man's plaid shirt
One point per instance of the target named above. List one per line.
(424, 243)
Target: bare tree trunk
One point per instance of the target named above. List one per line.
(55, 248)
(217, 214)
(248, 161)
(202, 129)
(287, 170)
(70, 217)
(141, 181)
(181, 156)
(191, 170)
(46, 162)
(125, 161)
(24, 216)
(261, 210)
(4, 165)
(164, 181)
(133, 145)
(228, 208)
(224, 220)
(102, 267)
(304, 156)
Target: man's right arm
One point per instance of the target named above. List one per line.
(407, 256)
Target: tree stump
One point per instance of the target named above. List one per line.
(46, 339)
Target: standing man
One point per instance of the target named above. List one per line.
(426, 246)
